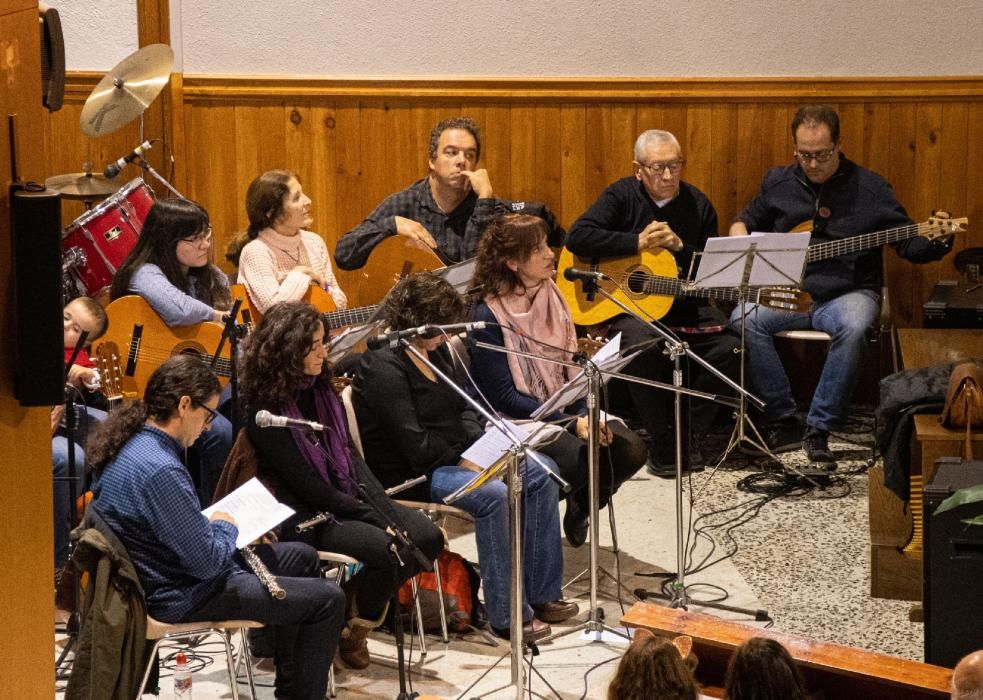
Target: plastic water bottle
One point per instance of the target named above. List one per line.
(182, 678)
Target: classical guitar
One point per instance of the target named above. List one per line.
(316, 297)
(648, 281)
(107, 359)
(142, 341)
(390, 261)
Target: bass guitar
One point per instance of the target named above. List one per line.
(648, 282)
(142, 342)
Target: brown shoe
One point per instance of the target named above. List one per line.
(556, 610)
(531, 631)
(353, 648)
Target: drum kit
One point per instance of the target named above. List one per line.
(97, 242)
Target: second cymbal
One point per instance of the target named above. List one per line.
(82, 186)
(127, 90)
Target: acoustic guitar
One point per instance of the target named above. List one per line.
(107, 359)
(143, 342)
(648, 282)
(316, 297)
(391, 260)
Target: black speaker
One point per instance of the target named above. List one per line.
(953, 565)
(52, 60)
(39, 356)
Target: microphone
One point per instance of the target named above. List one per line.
(573, 274)
(427, 331)
(112, 170)
(265, 419)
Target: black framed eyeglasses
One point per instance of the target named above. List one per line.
(673, 166)
(201, 238)
(818, 156)
(212, 413)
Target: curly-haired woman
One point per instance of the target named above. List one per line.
(525, 311)
(284, 371)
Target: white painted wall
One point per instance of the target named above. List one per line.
(546, 37)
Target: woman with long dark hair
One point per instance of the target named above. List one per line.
(170, 267)
(283, 258)
(413, 424)
(187, 563)
(284, 371)
(762, 669)
(525, 311)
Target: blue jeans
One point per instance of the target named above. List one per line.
(307, 621)
(62, 505)
(847, 319)
(542, 554)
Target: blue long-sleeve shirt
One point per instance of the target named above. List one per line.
(147, 497)
(174, 306)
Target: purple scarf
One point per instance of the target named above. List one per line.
(330, 457)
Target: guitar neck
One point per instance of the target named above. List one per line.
(671, 286)
(349, 317)
(854, 244)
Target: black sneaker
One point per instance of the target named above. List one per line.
(692, 462)
(815, 443)
(576, 523)
(785, 436)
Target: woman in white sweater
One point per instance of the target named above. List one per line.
(283, 259)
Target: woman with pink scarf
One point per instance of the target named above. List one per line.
(525, 311)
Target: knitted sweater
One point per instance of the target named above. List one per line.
(266, 268)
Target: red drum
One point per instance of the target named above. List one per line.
(98, 242)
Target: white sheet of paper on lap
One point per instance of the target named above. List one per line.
(255, 510)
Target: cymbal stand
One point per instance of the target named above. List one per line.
(518, 450)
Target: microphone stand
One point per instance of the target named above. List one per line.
(233, 332)
(72, 625)
(150, 169)
(399, 541)
(514, 481)
(677, 349)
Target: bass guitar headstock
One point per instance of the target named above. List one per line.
(940, 225)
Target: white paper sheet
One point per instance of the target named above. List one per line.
(255, 510)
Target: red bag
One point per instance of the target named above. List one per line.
(459, 593)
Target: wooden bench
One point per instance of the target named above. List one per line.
(840, 671)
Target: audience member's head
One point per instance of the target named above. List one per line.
(967, 677)
(762, 669)
(654, 667)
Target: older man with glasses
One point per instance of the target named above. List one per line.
(839, 199)
(656, 210)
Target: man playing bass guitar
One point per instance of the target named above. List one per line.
(654, 210)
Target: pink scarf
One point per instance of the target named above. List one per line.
(540, 314)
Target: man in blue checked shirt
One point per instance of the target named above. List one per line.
(188, 564)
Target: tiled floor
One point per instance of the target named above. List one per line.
(813, 580)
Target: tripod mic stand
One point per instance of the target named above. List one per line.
(516, 451)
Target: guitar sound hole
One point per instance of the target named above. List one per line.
(635, 282)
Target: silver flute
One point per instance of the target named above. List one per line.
(263, 574)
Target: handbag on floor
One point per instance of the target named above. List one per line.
(459, 582)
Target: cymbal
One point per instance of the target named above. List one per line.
(127, 90)
(82, 186)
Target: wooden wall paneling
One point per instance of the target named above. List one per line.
(852, 125)
(401, 143)
(496, 146)
(928, 193)
(175, 118)
(348, 181)
(974, 177)
(212, 177)
(954, 145)
(597, 121)
(699, 159)
(573, 164)
(274, 120)
(153, 27)
(673, 120)
(522, 154)
(324, 171)
(650, 115)
(549, 158)
(749, 159)
(901, 175)
(621, 142)
(376, 179)
(724, 144)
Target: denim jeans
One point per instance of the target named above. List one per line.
(847, 319)
(62, 505)
(542, 554)
(307, 621)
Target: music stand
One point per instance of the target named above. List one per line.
(744, 262)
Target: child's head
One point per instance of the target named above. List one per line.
(84, 314)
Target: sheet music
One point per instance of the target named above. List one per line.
(459, 274)
(493, 445)
(343, 343)
(779, 260)
(255, 510)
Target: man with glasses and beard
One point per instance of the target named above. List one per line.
(655, 210)
(840, 199)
